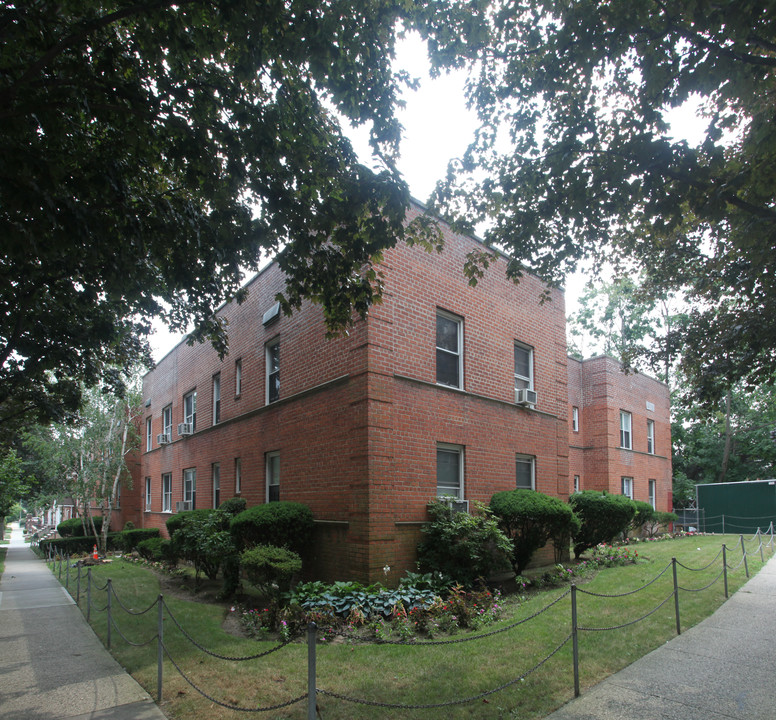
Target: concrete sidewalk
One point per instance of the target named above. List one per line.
(52, 665)
(720, 669)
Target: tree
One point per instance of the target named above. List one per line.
(575, 158)
(13, 484)
(152, 150)
(88, 457)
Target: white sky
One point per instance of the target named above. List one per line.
(437, 127)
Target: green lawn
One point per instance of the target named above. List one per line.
(431, 673)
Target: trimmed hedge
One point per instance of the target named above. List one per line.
(530, 519)
(74, 527)
(156, 549)
(270, 568)
(233, 506)
(282, 524)
(603, 517)
(131, 538)
(645, 513)
(80, 544)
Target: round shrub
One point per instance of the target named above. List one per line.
(645, 514)
(283, 524)
(270, 568)
(132, 537)
(530, 519)
(75, 527)
(603, 517)
(464, 547)
(233, 506)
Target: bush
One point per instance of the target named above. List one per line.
(603, 517)
(270, 568)
(204, 540)
(233, 506)
(74, 527)
(530, 519)
(79, 544)
(130, 538)
(174, 522)
(645, 513)
(153, 549)
(659, 520)
(282, 524)
(464, 547)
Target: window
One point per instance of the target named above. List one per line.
(525, 466)
(216, 398)
(167, 492)
(273, 370)
(190, 487)
(238, 378)
(273, 476)
(449, 350)
(237, 476)
(148, 494)
(651, 437)
(190, 409)
(117, 504)
(575, 419)
(577, 484)
(216, 484)
(625, 430)
(523, 367)
(652, 494)
(450, 471)
(167, 421)
(627, 487)
(149, 442)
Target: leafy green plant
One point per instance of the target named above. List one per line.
(603, 517)
(270, 568)
(530, 519)
(233, 506)
(283, 524)
(467, 548)
(644, 515)
(204, 540)
(130, 538)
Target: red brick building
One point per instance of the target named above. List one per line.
(619, 432)
(446, 389)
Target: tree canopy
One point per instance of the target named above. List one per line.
(575, 158)
(150, 150)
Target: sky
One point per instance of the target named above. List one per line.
(437, 127)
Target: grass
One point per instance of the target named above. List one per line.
(423, 674)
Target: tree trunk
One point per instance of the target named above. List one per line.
(728, 438)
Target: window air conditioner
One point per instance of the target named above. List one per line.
(185, 428)
(523, 396)
(455, 504)
(182, 505)
(162, 439)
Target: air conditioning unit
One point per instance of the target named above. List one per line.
(182, 505)
(523, 396)
(185, 429)
(163, 439)
(455, 504)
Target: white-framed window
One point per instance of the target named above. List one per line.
(167, 492)
(216, 398)
(627, 487)
(117, 503)
(273, 476)
(190, 409)
(449, 349)
(190, 487)
(525, 472)
(216, 474)
(450, 471)
(653, 494)
(272, 359)
(523, 367)
(651, 437)
(238, 377)
(149, 435)
(167, 421)
(577, 484)
(575, 419)
(148, 494)
(237, 476)
(626, 424)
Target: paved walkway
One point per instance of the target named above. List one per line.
(52, 665)
(720, 669)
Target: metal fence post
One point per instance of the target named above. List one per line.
(311, 689)
(110, 590)
(676, 598)
(760, 538)
(575, 638)
(78, 585)
(743, 551)
(88, 594)
(724, 568)
(160, 647)
(67, 573)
